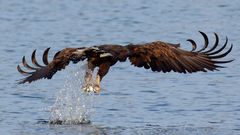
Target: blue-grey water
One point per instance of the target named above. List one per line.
(132, 100)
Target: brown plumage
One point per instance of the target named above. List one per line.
(157, 56)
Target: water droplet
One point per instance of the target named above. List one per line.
(73, 105)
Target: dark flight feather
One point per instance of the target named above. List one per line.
(60, 61)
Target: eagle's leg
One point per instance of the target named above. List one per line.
(88, 77)
(97, 85)
(103, 70)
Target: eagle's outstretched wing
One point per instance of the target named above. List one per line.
(166, 57)
(60, 60)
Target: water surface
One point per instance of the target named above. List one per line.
(133, 101)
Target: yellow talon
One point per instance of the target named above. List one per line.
(97, 89)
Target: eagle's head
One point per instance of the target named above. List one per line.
(79, 54)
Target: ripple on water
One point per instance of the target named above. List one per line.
(200, 100)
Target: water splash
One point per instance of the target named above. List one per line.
(73, 105)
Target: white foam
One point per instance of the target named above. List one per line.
(73, 105)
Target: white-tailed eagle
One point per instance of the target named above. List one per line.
(157, 56)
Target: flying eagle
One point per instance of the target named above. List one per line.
(157, 56)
